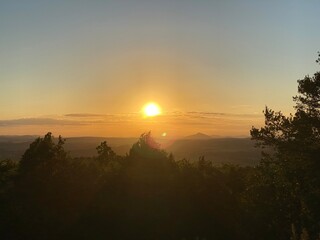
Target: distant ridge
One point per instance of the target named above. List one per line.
(220, 150)
(17, 138)
(198, 136)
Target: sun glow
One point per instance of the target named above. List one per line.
(151, 110)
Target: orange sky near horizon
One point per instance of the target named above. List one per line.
(175, 125)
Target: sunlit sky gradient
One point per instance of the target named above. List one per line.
(88, 67)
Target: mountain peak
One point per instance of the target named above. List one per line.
(198, 135)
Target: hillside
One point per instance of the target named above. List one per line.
(219, 150)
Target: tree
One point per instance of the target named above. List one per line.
(41, 185)
(147, 147)
(292, 161)
(105, 153)
(43, 152)
(7, 214)
(318, 60)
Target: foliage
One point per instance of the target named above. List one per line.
(8, 170)
(105, 153)
(144, 195)
(291, 168)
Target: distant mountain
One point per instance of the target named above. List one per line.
(240, 151)
(198, 136)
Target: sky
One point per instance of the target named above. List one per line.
(80, 68)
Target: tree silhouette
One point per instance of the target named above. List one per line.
(146, 147)
(43, 151)
(292, 164)
(8, 172)
(105, 153)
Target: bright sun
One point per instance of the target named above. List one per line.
(151, 110)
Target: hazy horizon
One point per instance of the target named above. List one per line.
(156, 137)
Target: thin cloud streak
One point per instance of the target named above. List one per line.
(174, 117)
(85, 115)
(39, 121)
(131, 124)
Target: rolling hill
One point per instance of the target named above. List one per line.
(239, 151)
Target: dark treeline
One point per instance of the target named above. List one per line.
(144, 195)
(148, 194)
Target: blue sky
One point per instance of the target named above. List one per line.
(111, 57)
